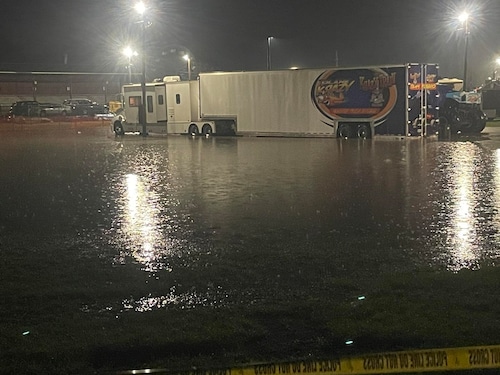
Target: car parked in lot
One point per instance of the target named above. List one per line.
(85, 107)
(53, 109)
(29, 108)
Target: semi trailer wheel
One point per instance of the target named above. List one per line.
(364, 131)
(344, 131)
(206, 130)
(193, 130)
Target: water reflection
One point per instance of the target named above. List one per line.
(462, 233)
(142, 225)
(466, 206)
(219, 187)
(174, 298)
(496, 201)
(144, 218)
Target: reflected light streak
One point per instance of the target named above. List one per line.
(142, 224)
(496, 195)
(462, 233)
(173, 299)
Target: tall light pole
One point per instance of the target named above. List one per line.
(464, 18)
(269, 64)
(188, 59)
(140, 7)
(497, 64)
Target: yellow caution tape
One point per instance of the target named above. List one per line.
(427, 360)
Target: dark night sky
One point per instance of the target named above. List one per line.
(231, 34)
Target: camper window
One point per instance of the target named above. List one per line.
(134, 101)
(149, 101)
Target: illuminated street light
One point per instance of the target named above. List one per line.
(269, 65)
(464, 19)
(129, 53)
(188, 59)
(140, 8)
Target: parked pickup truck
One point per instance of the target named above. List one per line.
(54, 109)
(85, 107)
(28, 108)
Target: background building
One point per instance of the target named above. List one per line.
(55, 87)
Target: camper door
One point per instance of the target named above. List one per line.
(178, 102)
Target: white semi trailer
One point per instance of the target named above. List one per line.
(335, 102)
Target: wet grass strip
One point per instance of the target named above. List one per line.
(65, 311)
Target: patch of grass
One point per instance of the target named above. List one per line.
(493, 124)
(62, 310)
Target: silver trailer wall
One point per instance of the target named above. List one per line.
(264, 102)
(359, 102)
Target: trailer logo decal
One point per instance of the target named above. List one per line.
(378, 82)
(416, 85)
(363, 93)
(332, 93)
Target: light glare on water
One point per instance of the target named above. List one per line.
(213, 298)
(465, 246)
(141, 224)
(465, 229)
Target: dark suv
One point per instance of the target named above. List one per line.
(85, 107)
(28, 108)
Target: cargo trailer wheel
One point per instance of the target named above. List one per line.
(206, 130)
(193, 129)
(364, 131)
(344, 131)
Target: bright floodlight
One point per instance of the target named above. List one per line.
(129, 52)
(186, 57)
(498, 61)
(140, 7)
(463, 17)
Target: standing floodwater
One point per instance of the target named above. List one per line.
(360, 206)
(181, 222)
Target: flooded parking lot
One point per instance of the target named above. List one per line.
(111, 226)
